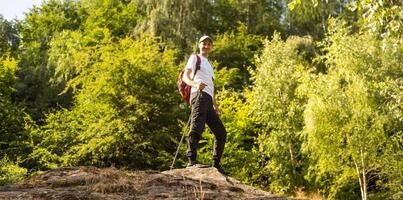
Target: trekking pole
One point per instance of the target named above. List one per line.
(179, 145)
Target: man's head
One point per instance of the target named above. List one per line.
(205, 45)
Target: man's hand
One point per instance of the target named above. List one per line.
(217, 110)
(201, 86)
(189, 81)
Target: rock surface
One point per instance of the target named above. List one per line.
(87, 183)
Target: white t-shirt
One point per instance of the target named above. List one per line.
(205, 73)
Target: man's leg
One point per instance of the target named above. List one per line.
(218, 129)
(197, 123)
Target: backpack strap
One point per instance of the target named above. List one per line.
(198, 62)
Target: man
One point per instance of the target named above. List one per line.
(204, 107)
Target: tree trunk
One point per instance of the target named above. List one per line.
(362, 177)
(359, 179)
(291, 150)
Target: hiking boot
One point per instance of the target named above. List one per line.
(195, 164)
(220, 169)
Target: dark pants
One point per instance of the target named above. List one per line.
(203, 112)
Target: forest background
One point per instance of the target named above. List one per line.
(311, 91)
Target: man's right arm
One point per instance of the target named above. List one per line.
(189, 81)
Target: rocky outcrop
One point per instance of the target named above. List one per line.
(110, 183)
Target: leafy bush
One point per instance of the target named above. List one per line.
(277, 107)
(125, 108)
(351, 122)
(10, 172)
(240, 158)
(235, 53)
(13, 139)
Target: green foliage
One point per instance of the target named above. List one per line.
(178, 23)
(12, 137)
(380, 17)
(240, 158)
(347, 126)
(10, 172)
(235, 53)
(124, 112)
(9, 40)
(259, 17)
(13, 140)
(311, 16)
(181, 23)
(7, 76)
(81, 83)
(120, 17)
(48, 24)
(228, 78)
(278, 110)
(36, 32)
(383, 17)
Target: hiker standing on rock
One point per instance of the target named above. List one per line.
(203, 105)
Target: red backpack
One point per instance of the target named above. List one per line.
(184, 88)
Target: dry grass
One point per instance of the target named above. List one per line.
(198, 191)
(105, 181)
(312, 196)
(111, 180)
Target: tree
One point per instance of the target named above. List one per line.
(311, 16)
(259, 17)
(348, 127)
(380, 17)
(9, 40)
(278, 109)
(125, 107)
(178, 23)
(120, 17)
(181, 23)
(235, 52)
(42, 24)
(36, 32)
(13, 139)
(240, 157)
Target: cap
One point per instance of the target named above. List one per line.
(205, 37)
